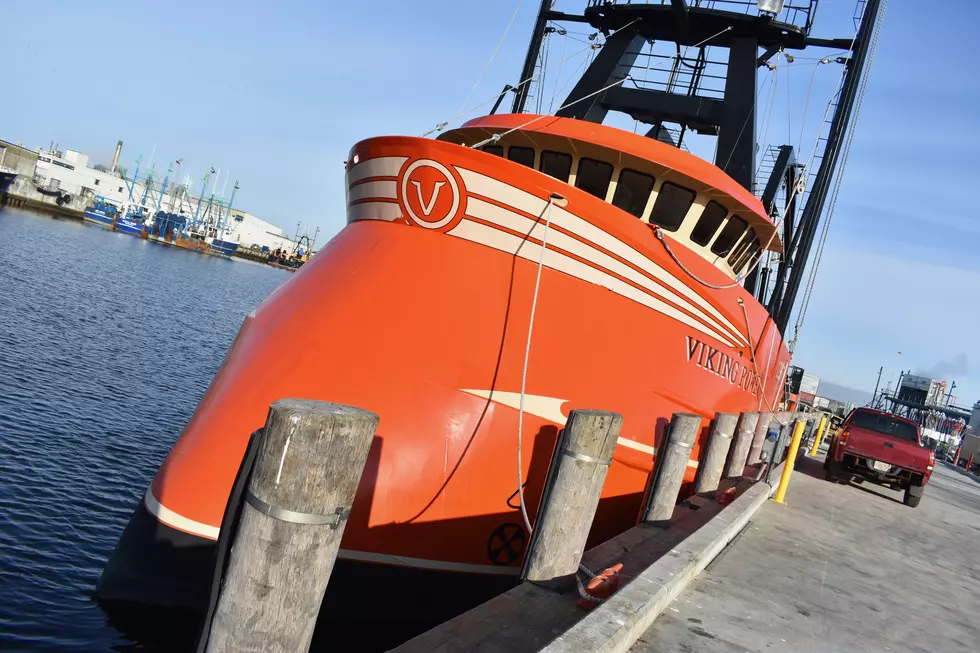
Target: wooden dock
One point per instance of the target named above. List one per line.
(569, 599)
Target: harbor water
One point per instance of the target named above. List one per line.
(107, 343)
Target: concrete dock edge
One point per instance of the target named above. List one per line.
(615, 626)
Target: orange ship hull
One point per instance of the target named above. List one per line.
(419, 310)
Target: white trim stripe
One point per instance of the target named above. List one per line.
(522, 200)
(382, 166)
(478, 208)
(549, 408)
(387, 211)
(491, 237)
(422, 563)
(373, 190)
(170, 518)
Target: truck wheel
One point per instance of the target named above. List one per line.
(913, 494)
(833, 470)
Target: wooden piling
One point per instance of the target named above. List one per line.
(672, 458)
(571, 496)
(741, 445)
(758, 438)
(296, 506)
(713, 461)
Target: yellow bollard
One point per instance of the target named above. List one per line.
(794, 448)
(819, 438)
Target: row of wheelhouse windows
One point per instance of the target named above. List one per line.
(633, 189)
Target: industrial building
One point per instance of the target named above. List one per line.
(68, 179)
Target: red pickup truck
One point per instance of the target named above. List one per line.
(884, 449)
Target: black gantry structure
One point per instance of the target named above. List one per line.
(751, 39)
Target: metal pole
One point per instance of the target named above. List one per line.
(531, 60)
(874, 397)
(819, 438)
(832, 151)
(790, 461)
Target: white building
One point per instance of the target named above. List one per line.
(70, 173)
(251, 230)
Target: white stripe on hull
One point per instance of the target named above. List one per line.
(382, 166)
(387, 211)
(522, 200)
(478, 208)
(491, 237)
(421, 563)
(170, 518)
(549, 408)
(372, 190)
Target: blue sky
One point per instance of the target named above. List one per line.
(278, 92)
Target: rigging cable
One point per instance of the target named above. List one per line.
(771, 104)
(490, 60)
(845, 153)
(755, 366)
(554, 92)
(806, 104)
(546, 213)
(497, 137)
(542, 79)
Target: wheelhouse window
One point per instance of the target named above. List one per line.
(673, 203)
(711, 218)
(632, 191)
(729, 235)
(743, 246)
(751, 254)
(593, 177)
(496, 150)
(522, 155)
(556, 164)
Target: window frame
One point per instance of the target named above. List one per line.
(751, 252)
(732, 218)
(601, 163)
(534, 155)
(486, 148)
(717, 228)
(646, 199)
(744, 243)
(557, 154)
(680, 222)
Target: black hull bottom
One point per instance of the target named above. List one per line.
(156, 568)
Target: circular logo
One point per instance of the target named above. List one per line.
(506, 543)
(430, 195)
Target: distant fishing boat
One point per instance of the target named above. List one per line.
(132, 221)
(102, 212)
(221, 243)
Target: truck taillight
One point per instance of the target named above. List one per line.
(843, 436)
(932, 459)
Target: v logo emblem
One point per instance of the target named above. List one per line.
(427, 207)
